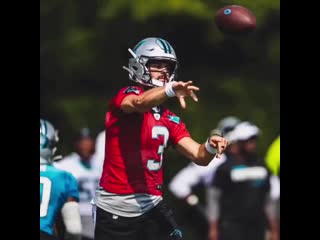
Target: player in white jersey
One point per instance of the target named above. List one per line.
(79, 163)
(191, 175)
(98, 159)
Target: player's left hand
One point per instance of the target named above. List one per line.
(218, 142)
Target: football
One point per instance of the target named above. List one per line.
(235, 19)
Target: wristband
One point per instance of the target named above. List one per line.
(209, 148)
(168, 90)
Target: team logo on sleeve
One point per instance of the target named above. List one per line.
(174, 119)
(132, 89)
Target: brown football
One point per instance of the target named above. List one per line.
(235, 19)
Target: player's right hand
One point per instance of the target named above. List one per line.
(218, 142)
(185, 89)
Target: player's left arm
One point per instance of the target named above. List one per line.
(181, 184)
(202, 154)
(71, 218)
(70, 210)
(156, 96)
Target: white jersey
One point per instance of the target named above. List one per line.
(88, 183)
(193, 174)
(98, 158)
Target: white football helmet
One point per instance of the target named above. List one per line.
(225, 125)
(243, 131)
(48, 140)
(151, 49)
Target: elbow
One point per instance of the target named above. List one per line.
(132, 104)
(139, 105)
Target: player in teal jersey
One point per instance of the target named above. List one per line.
(58, 190)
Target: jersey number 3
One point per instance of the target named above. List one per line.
(45, 196)
(157, 131)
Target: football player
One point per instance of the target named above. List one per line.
(59, 193)
(138, 131)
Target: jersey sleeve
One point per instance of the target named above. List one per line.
(126, 91)
(182, 183)
(71, 186)
(208, 172)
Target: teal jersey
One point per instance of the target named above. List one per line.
(56, 186)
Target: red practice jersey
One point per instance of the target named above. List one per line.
(135, 144)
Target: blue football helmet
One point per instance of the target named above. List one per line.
(48, 140)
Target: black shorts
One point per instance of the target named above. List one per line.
(46, 236)
(157, 224)
(229, 230)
